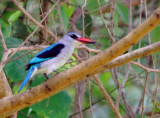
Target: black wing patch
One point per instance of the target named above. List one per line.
(53, 52)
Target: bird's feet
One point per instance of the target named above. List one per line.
(56, 73)
(46, 76)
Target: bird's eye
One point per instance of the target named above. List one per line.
(73, 36)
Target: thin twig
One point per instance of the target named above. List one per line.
(111, 18)
(84, 5)
(89, 49)
(130, 113)
(114, 70)
(103, 20)
(144, 67)
(33, 20)
(146, 13)
(104, 92)
(107, 97)
(100, 100)
(130, 20)
(129, 109)
(130, 16)
(121, 86)
(150, 58)
(38, 25)
(144, 91)
(156, 89)
(79, 103)
(18, 57)
(6, 52)
(35, 47)
(140, 20)
(54, 23)
(43, 5)
(2, 41)
(90, 98)
(94, 103)
(147, 90)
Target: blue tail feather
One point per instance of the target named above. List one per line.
(27, 78)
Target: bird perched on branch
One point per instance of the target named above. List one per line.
(54, 56)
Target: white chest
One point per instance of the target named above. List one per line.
(57, 62)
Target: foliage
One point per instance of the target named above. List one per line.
(16, 27)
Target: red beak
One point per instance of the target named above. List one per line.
(85, 40)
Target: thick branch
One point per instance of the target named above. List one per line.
(5, 90)
(16, 99)
(77, 73)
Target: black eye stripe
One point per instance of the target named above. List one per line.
(73, 36)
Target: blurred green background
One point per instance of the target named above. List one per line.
(16, 27)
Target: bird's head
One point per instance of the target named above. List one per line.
(77, 39)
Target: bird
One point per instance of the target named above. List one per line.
(54, 56)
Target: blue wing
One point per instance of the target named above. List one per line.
(46, 54)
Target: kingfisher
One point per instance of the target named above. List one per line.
(54, 56)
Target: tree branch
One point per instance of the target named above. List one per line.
(6, 52)
(145, 68)
(107, 96)
(84, 70)
(2, 40)
(16, 99)
(5, 90)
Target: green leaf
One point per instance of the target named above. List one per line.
(56, 106)
(93, 4)
(123, 12)
(12, 13)
(37, 79)
(3, 6)
(33, 114)
(156, 106)
(23, 113)
(6, 29)
(15, 69)
(14, 16)
(117, 31)
(139, 116)
(66, 12)
(19, 30)
(78, 2)
(87, 24)
(106, 78)
(155, 34)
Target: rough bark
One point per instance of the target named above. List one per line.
(5, 90)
